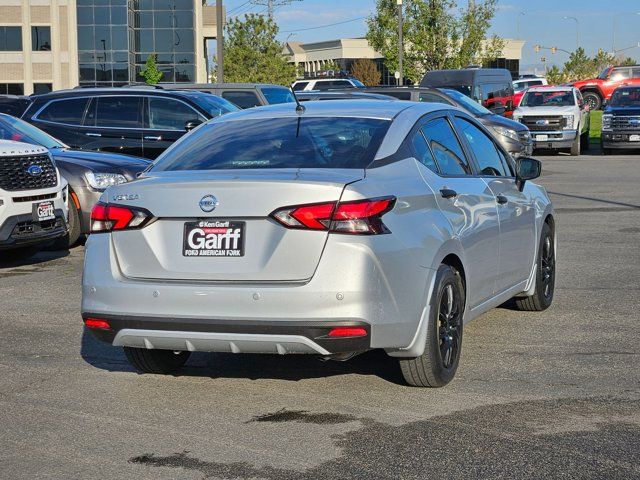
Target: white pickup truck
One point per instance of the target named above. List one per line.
(33, 200)
(557, 117)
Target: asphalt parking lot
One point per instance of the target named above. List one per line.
(537, 395)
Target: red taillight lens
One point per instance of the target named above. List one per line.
(356, 217)
(346, 332)
(106, 217)
(97, 323)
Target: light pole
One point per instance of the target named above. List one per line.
(577, 30)
(400, 40)
(219, 42)
(520, 14)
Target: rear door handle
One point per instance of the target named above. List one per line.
(448, 193)
(92, 134)
(502, 199)
(153, 138)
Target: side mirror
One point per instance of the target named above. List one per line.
(527, 169)
(498, 108)
(191, 124)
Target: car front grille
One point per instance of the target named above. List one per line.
(627, 122)
(14, 175)
(551, 123)
(32, 229)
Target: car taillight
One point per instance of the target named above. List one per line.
(356, 217)
(107, 218)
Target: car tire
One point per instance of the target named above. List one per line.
(593, 99)
(545, 275)
(156, 361)
(70, 239)
(438, 364)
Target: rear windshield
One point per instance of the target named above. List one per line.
(626, 98)
(560, 98)
(292, 142)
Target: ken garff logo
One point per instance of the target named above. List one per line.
(542, 122)
(634, 121)
(34, 170)
(208, 203)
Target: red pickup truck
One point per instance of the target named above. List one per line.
(596, 90)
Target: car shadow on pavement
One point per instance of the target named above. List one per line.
(7, 261)
(251, 366)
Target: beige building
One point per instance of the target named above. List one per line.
(56, 44)
(38, 48)
(313, 58)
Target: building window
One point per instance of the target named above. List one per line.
(41, 39)
(40, 88)
(11, 89)
(10, 39)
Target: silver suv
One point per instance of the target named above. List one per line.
(328, 229)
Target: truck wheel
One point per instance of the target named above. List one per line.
(593, 99)
(575, 147)
(438, 364)
(156, 361)
(545, 275)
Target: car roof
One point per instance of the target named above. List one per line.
(86, 92)
(551, 88)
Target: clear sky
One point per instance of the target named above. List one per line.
(542, 23)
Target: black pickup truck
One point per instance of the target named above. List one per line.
(621, 120)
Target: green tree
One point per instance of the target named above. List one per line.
(252, 53)
(436, 36)
(555, 76)
(625, 61)
(602, 60)
(150, 73)
(579, 66)
(366, 71)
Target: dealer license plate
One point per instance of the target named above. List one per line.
(213, 238)
(542, 138)
(43, 211)
(634, 138)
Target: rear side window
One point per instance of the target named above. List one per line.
(398, 95)
(484, 150)
(422, 152)
(312, 142)
(69, 111)
(116, 112)
(170, 114)
(620, 74)
(277, 95)
(329, 84)
(300, 86)
(242, 99)
(446, 148)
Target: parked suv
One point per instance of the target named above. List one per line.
(140, 122)
(33, 200)
(243, 95)
(322, 84)
(513, 136)
(558, 118)
(596, 90)
(621, 120)
(491, 87)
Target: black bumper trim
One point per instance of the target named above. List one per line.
(317, 331)
(8, 240)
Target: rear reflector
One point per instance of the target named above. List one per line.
(346, 332)
(107, 217)
(356, 217)
(97, 323)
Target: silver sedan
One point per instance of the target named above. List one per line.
(328, 229)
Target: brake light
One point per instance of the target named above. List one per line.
(106, 217)
(356, 217)
(347, 332)
(97, 323)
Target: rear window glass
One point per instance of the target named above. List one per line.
(277, 95)
(294, 142)
(242, 99)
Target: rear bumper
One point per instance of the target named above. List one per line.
(237, 336)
